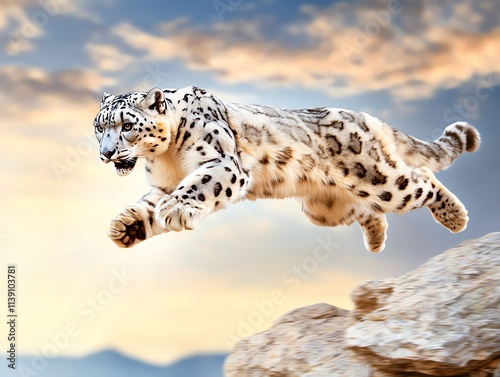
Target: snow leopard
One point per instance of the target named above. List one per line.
(203, 154)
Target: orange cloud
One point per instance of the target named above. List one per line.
(345, 50)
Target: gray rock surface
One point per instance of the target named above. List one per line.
(442, 319)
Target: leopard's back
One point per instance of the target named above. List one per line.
(346, 166)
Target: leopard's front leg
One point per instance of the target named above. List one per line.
(213, 186)
(136, 222)
(215, 178)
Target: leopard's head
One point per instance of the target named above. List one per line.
(132, 125)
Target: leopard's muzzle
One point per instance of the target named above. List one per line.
(125, 166)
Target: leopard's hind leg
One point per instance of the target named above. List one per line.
(446, 208)
(374, 227)
(424, 189)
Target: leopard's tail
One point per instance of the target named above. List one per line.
(437, 155)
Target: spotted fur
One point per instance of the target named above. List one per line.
(203, 155)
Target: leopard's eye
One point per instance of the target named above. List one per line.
(127, 127)
(99, 128)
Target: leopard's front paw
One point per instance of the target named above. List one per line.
(127, 229)
(172, 214)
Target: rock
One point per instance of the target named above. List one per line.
(292, 347)
(442, 319)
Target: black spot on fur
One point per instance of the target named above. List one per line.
(402, 182)
(329, 202)
(264, 160)
(418, 193)
(361, 124)
(150, 203)
(283, 156)
(347, 116)
(344, 168)
(359, 170)
(182, 123)
(217, 189)
(438, 196)
(339, 125)
(363, 194)
(208, 138)
(373, 153)
(229, 192)
(355, 143)
(378, 178)
(453, 139)
(333, 145)
(405, 201)
(472, 140)
(206, 179)
(386, 196)
(233, 178)
(201, 197)
(242, 182)
(186, 136)
(388, 159)
(218, 148)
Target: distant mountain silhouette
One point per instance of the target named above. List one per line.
(111, 363)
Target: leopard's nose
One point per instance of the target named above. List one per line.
(107, 153)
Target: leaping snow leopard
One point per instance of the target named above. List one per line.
(203, 154)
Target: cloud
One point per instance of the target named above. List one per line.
(46, 120)
(46, 123)
(108, 57)
(20, 28)
(80, 9)
(37, 97)
(26, 20)
(410, 50)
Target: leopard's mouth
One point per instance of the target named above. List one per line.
(124, 167)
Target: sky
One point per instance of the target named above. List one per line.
(418, 65)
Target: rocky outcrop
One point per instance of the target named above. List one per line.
(442, 319)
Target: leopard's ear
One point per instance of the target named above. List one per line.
(106, 98)
(155, 100)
